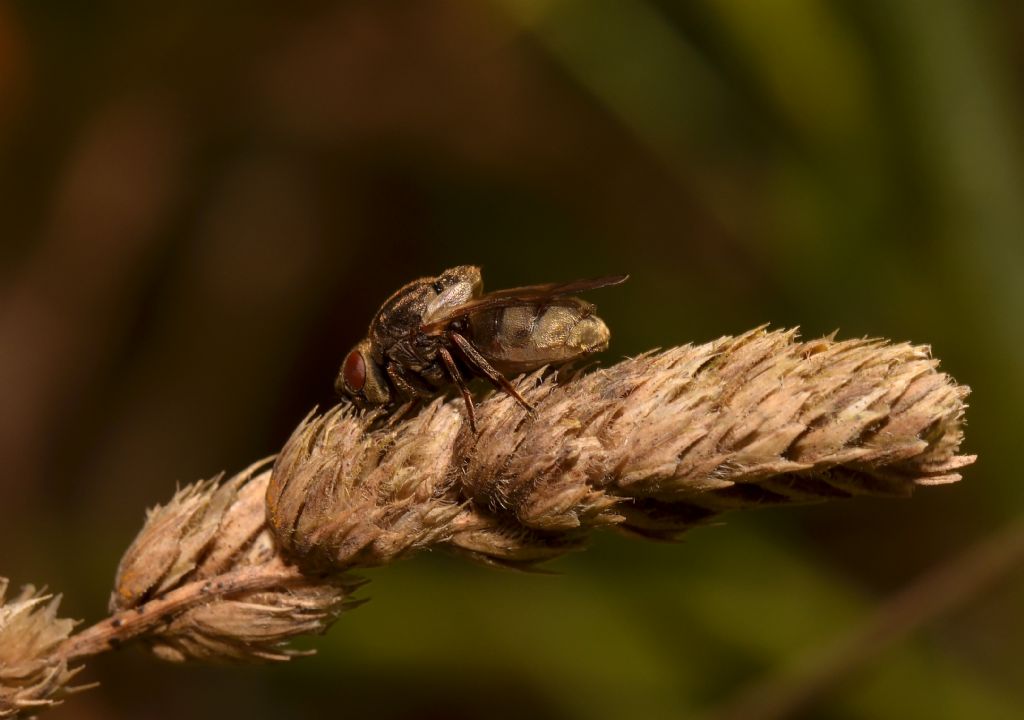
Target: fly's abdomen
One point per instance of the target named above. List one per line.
(520, 338)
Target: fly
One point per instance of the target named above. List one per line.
(435, 332)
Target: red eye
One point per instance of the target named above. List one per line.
(354, 371)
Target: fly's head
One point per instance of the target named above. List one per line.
(361, 378)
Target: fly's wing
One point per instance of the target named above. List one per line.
(515, 296)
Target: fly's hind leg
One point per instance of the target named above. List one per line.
(479, 363)
(453, 371)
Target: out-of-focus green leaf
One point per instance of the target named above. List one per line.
(808, 62)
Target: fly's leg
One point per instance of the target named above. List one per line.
(453, 371)
(406, 387)
(479, 363)
(402, 384)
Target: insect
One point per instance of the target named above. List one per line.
(437, 331)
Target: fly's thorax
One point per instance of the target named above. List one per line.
(414, 304)
(401, 314)
(522, 337)
(414, 353)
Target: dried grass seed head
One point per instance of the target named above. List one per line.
(31, 678)
(652, 445)
(343, 494)
(208, 531)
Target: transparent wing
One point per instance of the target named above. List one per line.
(517, 296)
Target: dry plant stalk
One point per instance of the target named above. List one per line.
(651, 446)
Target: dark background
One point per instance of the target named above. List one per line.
(204, 203)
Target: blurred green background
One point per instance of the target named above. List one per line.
(204, 203)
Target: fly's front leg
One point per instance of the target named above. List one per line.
(407, 387)
(403, 387)
(453, 371)
(479, 363)
(401, 384)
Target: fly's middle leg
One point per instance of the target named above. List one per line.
(453, 371)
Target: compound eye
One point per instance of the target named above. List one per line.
(354, 371)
